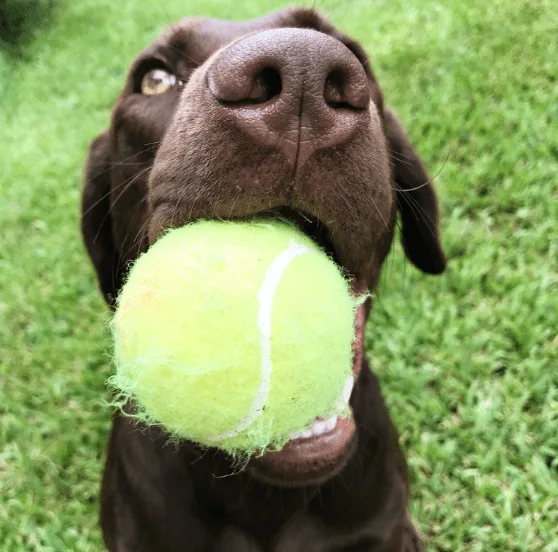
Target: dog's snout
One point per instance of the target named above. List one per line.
(295, 90)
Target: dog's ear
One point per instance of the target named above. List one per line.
(96, 221)
(416, 198)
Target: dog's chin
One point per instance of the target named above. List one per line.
(309, 461)
(316, 455)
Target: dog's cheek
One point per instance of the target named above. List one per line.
(140, 122)
(129, 211)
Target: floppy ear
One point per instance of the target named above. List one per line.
(416, 200)
(96, 221)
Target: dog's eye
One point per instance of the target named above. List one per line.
(157, 81)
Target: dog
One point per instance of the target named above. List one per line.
(280, 116)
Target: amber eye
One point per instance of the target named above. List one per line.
(157, 81)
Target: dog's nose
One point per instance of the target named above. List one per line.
(295, 90)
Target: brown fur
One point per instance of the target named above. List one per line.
(180, 156)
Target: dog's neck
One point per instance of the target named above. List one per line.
(368, 494)
(237, 494)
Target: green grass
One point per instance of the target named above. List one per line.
(468, 361)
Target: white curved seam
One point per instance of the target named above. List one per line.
(266, 295)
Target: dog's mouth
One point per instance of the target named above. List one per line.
(316, 454)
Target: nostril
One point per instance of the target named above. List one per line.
(267, 84)
(334, 89)
(342, 92)
(246, 88)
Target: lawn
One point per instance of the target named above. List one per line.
(468, 361)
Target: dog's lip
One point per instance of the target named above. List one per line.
(311, 225)
(307, 461)
(318, 457)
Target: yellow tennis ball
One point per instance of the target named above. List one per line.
(234, 334)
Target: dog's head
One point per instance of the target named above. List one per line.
(281, 116)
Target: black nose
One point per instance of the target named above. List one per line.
(295, 90)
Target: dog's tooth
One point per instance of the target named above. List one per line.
(331, 423)
(319, 427)
(348, 389)
(306, 434)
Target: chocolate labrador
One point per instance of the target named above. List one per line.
(276, 117)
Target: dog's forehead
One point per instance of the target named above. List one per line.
(199, 37)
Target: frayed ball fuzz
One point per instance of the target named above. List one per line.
(234, 334)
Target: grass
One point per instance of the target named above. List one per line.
(468, 361)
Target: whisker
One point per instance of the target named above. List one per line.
(133, 216)
(139, 236)
(183, 53)
(405, 190)
(116, 187)
(129, 184)
(417, 210)
(399, 157)
(151, 147)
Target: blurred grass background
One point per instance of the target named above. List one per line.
(468, 361)
(20, 20)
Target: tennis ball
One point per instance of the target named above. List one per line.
(234, 334)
